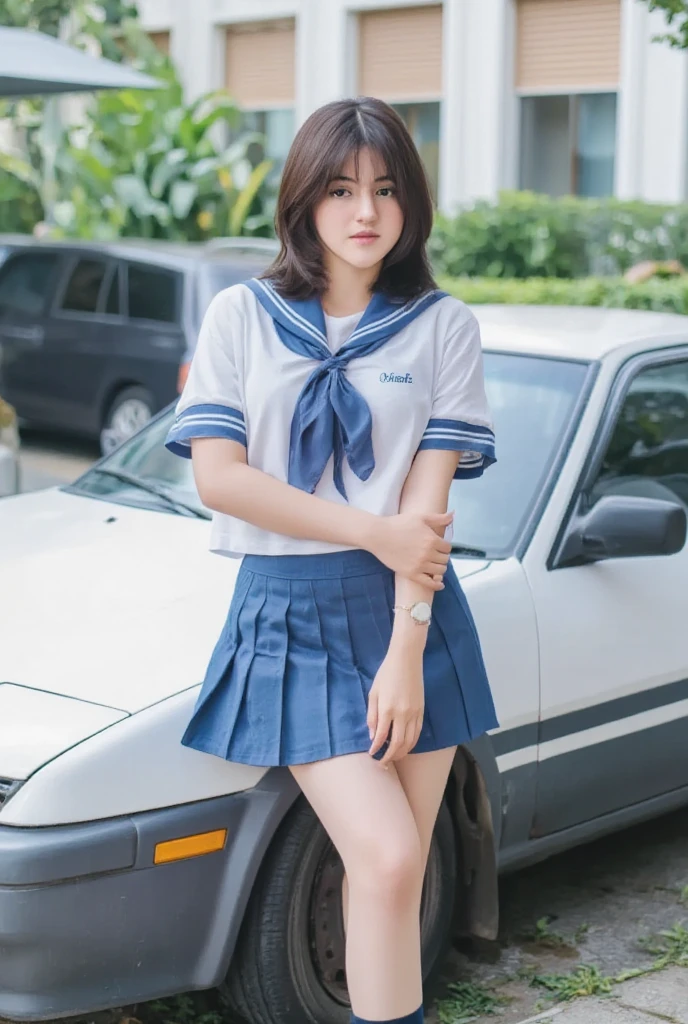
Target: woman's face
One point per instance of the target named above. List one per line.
(359, 220)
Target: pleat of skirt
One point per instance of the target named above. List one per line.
(289, 678)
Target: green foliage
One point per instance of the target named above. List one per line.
(524, 234)
(676, 14)
(143, 163)
(102, 20)
(667, 296)
(42, 15)
(670, 947)
(147, 165)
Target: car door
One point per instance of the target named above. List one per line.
(614, 633)
(27, 283)
(80, 334)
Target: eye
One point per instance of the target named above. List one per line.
(388, 189)
(338, 192)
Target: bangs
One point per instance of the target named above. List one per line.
(371, 136)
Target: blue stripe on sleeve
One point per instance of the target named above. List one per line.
(204, 421)
(477, 443)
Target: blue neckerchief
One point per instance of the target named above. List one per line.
(331, 417)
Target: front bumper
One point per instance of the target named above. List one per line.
(89, 922)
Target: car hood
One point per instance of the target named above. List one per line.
(36, 726)
(116, 606)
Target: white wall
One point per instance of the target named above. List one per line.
(479, 127)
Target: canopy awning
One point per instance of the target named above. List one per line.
(33, 64)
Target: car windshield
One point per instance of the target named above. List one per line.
(532, 400)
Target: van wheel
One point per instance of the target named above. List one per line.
(288, 966)
(130, 410)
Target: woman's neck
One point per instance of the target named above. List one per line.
(349, 290)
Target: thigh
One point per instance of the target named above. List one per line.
(423, 778)
(362, 807)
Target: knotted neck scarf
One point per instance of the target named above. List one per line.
(331, 417)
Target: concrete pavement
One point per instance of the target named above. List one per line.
(662, 996)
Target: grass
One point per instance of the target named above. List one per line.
(467, 1002)
(543, 936)
(586, 980)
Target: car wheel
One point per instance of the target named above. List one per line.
(131, 409)
(288, 966)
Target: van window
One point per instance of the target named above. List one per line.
(84, 285)
(25, 282)
(152, 293)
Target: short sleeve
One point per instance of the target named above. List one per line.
(210, 404)
(460, 418)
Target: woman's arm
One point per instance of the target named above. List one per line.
(426, 490)
(410, 543)
(397, 699)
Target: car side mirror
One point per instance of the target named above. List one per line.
(620, 526)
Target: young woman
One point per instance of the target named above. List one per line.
(329, 405)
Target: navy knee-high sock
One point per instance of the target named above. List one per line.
(411, 1018)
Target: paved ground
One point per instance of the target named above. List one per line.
(597, 905)
(47, 460)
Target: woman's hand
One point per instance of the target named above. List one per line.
(397, 700)
(409, 544)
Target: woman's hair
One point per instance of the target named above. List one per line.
(319, 152)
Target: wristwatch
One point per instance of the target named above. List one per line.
(420, 612)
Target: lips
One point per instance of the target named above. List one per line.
(365, 234)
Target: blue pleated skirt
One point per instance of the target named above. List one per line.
(289, 677)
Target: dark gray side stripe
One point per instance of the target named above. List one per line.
(515, 739)
(612, 710)
(587, 718)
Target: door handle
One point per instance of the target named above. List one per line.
(33, 335)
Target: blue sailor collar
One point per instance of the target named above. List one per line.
(331, 417)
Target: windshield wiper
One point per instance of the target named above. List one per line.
(150, 488)
(462, 549)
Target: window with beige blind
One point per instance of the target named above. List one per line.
(260, 76)
(567, 75)
(161, 40)
(400, 61)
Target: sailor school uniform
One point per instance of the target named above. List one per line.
(339, 407)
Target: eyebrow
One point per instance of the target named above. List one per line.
(343, 177)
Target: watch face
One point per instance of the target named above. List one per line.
(421, 611)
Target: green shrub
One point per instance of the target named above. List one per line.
(524, 234)
(663, 295)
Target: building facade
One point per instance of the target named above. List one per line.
(561, 96)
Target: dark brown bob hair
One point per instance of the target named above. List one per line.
(319, 152)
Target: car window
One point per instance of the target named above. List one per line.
(84, 285)
(152, 293)
(25, 281)
(647, 455)
(112, 303)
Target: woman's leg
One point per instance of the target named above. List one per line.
(423, 778)
(367, 815)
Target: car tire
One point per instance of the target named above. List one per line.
(288, 966)
(130, 410)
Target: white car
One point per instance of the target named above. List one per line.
(133, 868)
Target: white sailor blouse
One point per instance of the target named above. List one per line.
(345, 425)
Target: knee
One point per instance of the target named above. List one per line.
(389, 870)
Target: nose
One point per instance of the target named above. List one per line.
(367, 211)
